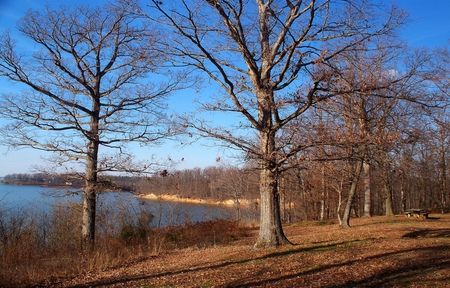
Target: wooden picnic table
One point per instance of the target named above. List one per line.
(416, 213)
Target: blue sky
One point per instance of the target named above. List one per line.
(430, 28)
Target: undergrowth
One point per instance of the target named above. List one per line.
(38, 247)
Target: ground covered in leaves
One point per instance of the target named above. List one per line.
(375, 252)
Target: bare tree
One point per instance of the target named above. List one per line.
(440, 119)
(374, 116)
(439, 136)
(271, 60)
(88, 94)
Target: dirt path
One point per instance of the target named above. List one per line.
(376, 252)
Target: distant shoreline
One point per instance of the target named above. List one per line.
(174, 198)
(154, 197)
(40, 185)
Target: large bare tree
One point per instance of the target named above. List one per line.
(270, 59)
(89, 91)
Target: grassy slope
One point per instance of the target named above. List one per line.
(375, 252)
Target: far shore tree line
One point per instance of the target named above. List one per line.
(333, 115)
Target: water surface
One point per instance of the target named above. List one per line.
(165, 213)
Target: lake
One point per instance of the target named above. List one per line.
(22, 195)
(165, 213)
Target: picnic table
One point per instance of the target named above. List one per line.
(416, 213)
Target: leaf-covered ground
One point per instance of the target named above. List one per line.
(375, 252)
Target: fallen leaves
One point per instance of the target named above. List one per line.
(375, 252)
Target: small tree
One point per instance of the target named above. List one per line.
(88, 91)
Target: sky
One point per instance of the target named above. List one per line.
(430, 28)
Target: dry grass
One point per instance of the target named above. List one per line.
(38, 248)
(376, 252)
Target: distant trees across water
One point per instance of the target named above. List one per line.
(210, 183)
(40, 179)
(305, 194)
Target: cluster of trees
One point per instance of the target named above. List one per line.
(334, 113)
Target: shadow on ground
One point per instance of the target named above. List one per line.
(416, 264)
(126, 280)
(404, 274)
(429, 233)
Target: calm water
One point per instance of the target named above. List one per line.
(165, 213)
(22, 195)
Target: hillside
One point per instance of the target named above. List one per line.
(375, 252)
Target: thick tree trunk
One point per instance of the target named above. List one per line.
(91, 181)
(88, 222)
(388, 201)
(271, 231)
(366, 188)
(345, 223)
(89, 199)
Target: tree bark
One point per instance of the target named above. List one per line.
(271, 233)
(387, 189)
(90, 189)
(388, 200)
(88, 217)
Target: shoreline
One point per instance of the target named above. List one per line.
(152, 196)
(174, 198)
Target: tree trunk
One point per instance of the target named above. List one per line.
(271, 233)
(366, 188)
(338, 210)
(388, 200)
(387, 190)
(91, 180)
(322, 196)
(402, 196)
(238, 207)
(88, 222)
(89, 199)
(443, 174)
(348, 207)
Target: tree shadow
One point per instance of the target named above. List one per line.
(205, 266)
(431, 261)
(428, 233)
